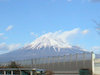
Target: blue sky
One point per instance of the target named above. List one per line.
(22, 21)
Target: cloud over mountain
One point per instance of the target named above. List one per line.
(6, 48)
(49, 44)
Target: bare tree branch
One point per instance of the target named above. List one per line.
(97, 26)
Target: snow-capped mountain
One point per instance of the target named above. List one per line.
(43, 46)
(48, 41)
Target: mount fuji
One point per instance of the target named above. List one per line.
(43, 46)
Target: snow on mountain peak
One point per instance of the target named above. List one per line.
(49, 40)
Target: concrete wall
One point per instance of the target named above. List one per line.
(97, 67)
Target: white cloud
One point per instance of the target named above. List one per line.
(14, 46)
(33, 34)
(62, 35)
(1, 34)
(67, 34)
(3, 46)
(85, 31)
(4, 38)
(9, 27)
(96, 48)
(6, 47)
(69, 0)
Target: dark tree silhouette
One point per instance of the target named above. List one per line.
(13, 65)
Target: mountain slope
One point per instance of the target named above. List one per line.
(43, 46)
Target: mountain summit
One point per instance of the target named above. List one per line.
(48, 41)
(43, 46)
